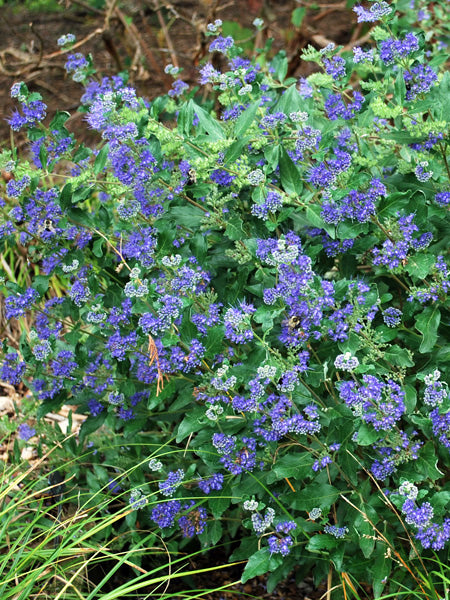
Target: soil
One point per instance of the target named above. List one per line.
(142, 40)
(139, 37)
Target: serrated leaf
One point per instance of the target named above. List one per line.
(291, 101)
(246, 119)
(186, 117)
(234, 228)
(235, 150)
(420, 265)
(322, 542)
(289, 174)
(398, 356)
(427, 322)
(59, 120)
(296, 466)
(40, 284)
(209, 124)
(65, 198)
(257, 564)
(321, 495)
(426, 464)
(100, 159)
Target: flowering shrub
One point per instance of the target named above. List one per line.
(257, 292)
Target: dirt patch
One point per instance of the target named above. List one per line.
(142, 40)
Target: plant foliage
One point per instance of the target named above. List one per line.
(257, 290)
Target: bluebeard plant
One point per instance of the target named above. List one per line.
(258, 290)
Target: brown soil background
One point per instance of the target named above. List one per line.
(143, 36)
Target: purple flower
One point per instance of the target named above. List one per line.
(392, 317)
(280, 545)
(376, 402)
(237, 323)
(15, 306)
(12, 369)
(376, 12)
(393, 49)
(222, 177)
(419, 80)
(15, 188)
(337, 532)
(164, 514)
(215, 482)
(336, 107)
(95, 407)
(304, 88)
(169, 486)
(75, 62)
(221, 44)
(208, 74)
(335, 66)
(194, 522)
(25, 432)
(178, 88)
(418, 516)
(442, 198)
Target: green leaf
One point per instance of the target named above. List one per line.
(280, 65)
(420, 265)
(313, 214)
(234, 228)
(320, 495)
(399, 87)
(209, 124)
(214, 532)
(189, 216)
(298, 14)
(40, 284)
(43, 155)
(220, 502)
(290, 175)
(100, 159)
(97, 248)
(427, 322)
(188, 425)
(235, 150)
(59, 120)
(264, 315)
(296, 466)
(272, 156)
(65, 198)
(426, 464)
(291, 101)
(367, 435)
(82, 193)
(410, 398)
(366, 535)
(322, 542)
(246, 119)
(398, 356)
(185, 117)
(257, 564)
(381, 569)
(79, 217)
